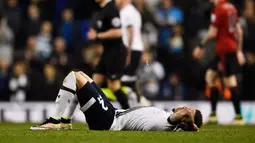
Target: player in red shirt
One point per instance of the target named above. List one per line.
(225, 28)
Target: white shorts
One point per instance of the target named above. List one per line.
(118, 124)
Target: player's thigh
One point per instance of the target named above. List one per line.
(99, 113)
(230, 81)
(80, 80)
(85, 76)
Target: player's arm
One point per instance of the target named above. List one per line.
(130, 31)
(184, 119)
(211, 34)
(110, 34)
(115, 27)
(114, 22)
(239, 36)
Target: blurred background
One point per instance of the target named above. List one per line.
(42, 40)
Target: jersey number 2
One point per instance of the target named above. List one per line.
(101, 101)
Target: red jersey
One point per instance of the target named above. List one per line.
(224, 16)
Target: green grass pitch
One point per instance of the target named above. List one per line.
(20, 133)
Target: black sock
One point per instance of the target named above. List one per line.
(213, 99)
(236, 100)
(122, 98)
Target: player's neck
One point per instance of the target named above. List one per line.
(103, 4)
(125, 4)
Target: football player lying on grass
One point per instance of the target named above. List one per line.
(101, 115)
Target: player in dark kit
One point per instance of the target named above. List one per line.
(106, 28)
(225, 28)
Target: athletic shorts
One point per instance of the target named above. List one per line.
(134, 63)
(112, 62)
(228, 62)
(98, 111)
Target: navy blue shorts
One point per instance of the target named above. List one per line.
(98, 111)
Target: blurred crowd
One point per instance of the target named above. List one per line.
(42, 40)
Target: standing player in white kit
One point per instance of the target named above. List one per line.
(131, 24)
(101, 115)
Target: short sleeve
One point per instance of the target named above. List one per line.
(114, 19)
(127, 20)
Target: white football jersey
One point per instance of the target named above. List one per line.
(142, 119)
(130, 16)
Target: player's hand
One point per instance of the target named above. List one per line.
(241, 58)
(198, 53)
(92, 34)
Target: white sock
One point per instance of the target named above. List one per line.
(71, 108)
(65, 95)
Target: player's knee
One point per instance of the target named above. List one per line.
(85, 76)
(70, 78)
(210, 78)
(80, 80)
(114, 85)
(230, 81)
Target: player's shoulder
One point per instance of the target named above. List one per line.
(129, 9)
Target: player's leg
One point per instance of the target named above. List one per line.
(129, 81)
(115, 86)
(67, 116)
(210, 77)
(232, 68)
(99, 113)
(64, 97)
(98, 79)
(100, 71)
(129, 78)
(115, 66)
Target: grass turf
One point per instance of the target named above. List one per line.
(20, 133)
